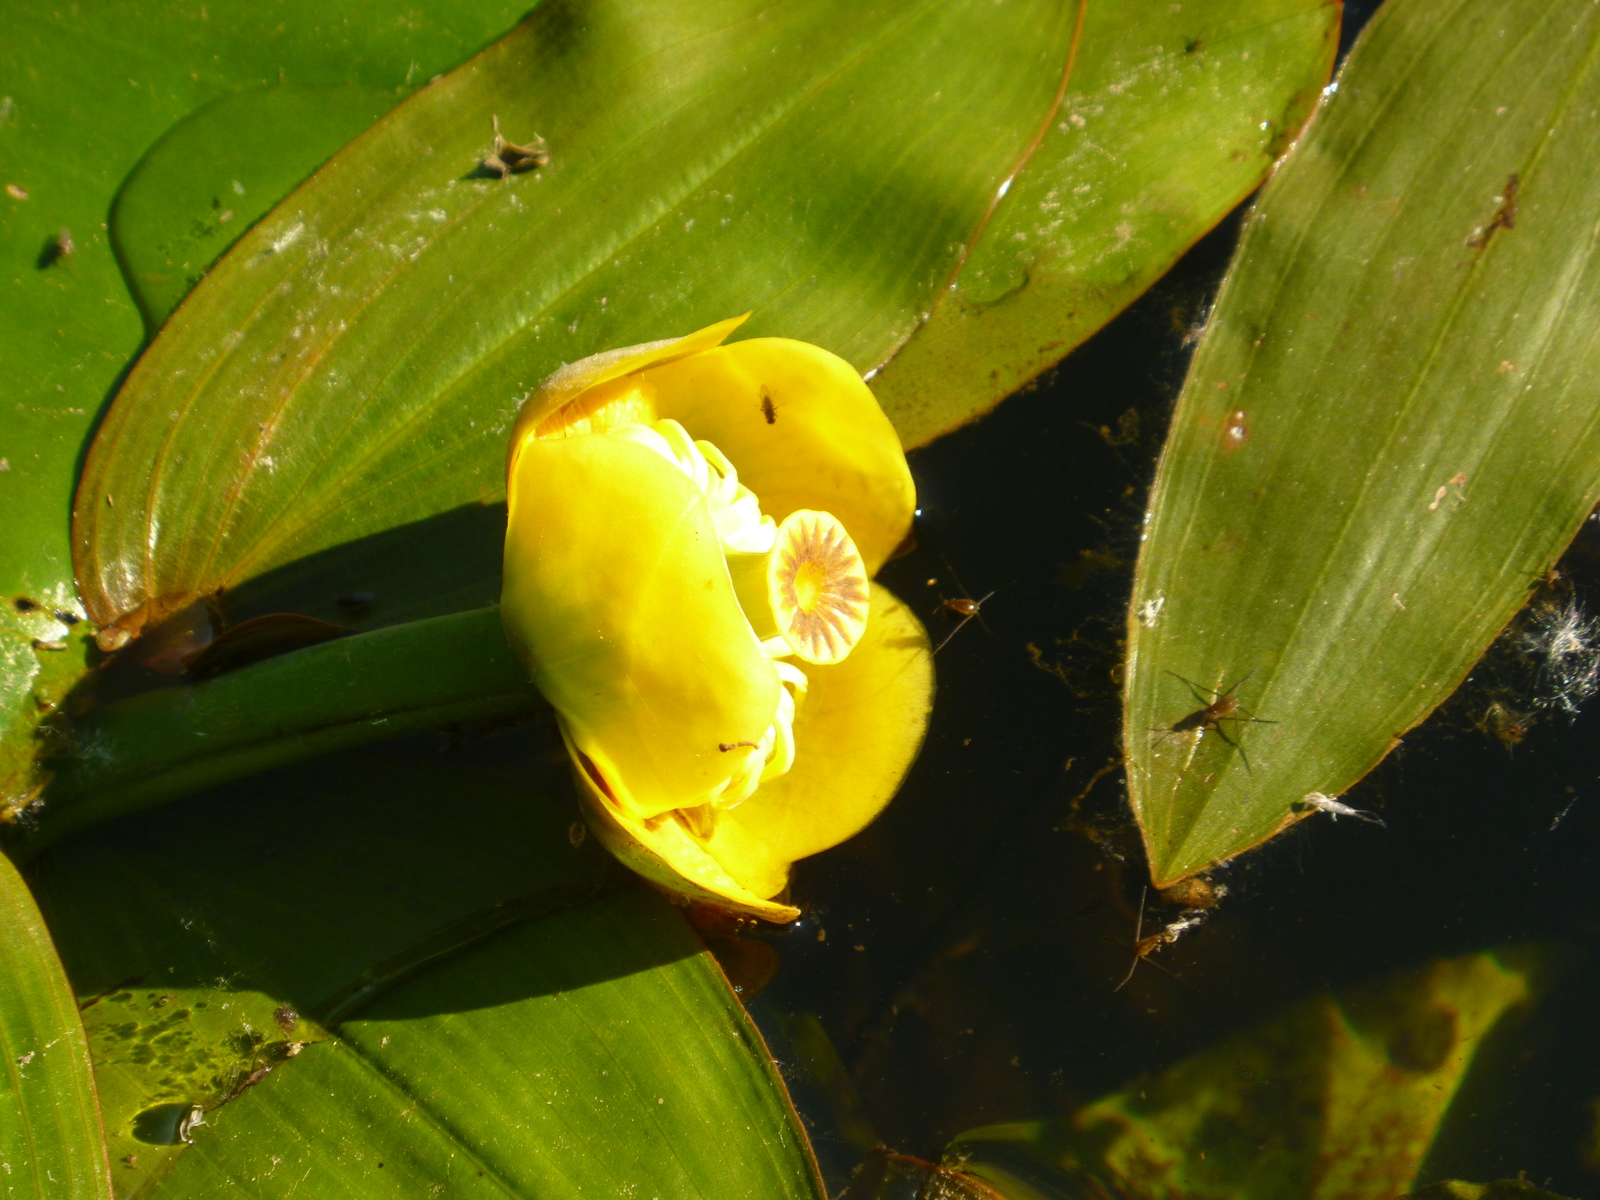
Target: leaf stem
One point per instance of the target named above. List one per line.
(369, 687)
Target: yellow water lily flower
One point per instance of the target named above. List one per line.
(693, 531)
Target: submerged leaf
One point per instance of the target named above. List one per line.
(1500, 1189)
(1338, 1098)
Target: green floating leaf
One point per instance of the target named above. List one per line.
(392, 958)
(594, 1052)
(51, 1139)
(1170, 117)
(220, 169)
(307, 890)
(1338, 1098)
(87, 92)
(362, 352)
(353, 365)
(1388, 433)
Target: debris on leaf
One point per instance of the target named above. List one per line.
(510, 159)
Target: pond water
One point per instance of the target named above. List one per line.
(963, 955)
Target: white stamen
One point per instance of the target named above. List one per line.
(774, 755)
(735, 511)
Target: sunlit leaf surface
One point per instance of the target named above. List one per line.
(87, 92)
(219, 170)
(51, 1141)
(362, 351)
(384, 973)
(594, 1052)
(1338, 1098)
(1171, 115)
(1390, 429)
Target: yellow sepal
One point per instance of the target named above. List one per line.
(617, 596)
(571, 381)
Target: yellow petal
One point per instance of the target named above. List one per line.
(855, 735)
(667, 854)
(617, 596)
(827, 445)
(572, 380)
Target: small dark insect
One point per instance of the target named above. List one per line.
(511, 159)
(254, 1077)
(1225, 707)
(768, 409)
(286, 1018)
(961, 609)
(1550, 580)
(726, 746)
(1505, 216)
(23, 605)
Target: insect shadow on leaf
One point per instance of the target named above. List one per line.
(1224, 706)
(57, 247)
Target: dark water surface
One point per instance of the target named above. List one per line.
(975, 935)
